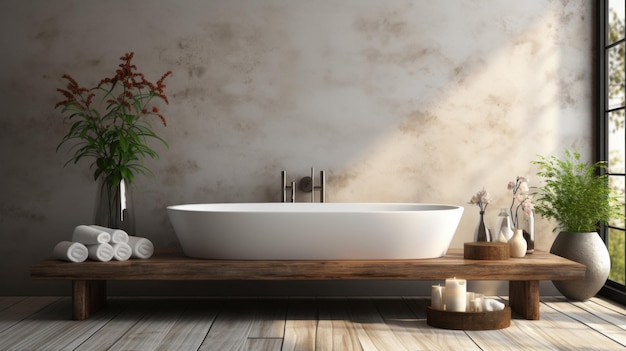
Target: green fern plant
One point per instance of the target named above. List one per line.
(576, 194)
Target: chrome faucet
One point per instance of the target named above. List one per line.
(306, 184)
(283, 175)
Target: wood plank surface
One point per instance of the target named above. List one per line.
(335, 330)
(263, 344)
(170, 265)
(301, 325)
(231, 327)
(16, 309)
(131, 313)
(270, 318)
(435, 338)
(151, 331)
(192, 326)
(411, 331)
(557, 328)
(346, 324)
(8, 301)
(44, 330)
(593, 319)
(372, 331)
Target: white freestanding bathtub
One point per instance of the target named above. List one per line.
(314, 231)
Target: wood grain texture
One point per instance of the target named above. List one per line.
(524, 298)
(15, 309)
(486, 251)
(595, 317)
(335, 330)
(300, 328)
(410, 327)
(231, 327)
(354, 324)
(174, 266)
(89, 278)
(371, 329)
(88, 297)
(270, 319)
(51, 328)
(470, 320)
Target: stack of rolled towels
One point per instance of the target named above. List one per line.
(102, 244)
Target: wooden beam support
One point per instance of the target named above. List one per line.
(88, 297)
(524, 298)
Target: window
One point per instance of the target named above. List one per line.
(612, 131)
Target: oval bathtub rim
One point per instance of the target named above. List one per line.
(316, 207)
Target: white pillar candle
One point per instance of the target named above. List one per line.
(456, 294)
(436, 297)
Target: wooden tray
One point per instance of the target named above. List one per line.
(486, 251)
(469, 320)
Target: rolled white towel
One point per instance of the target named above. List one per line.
(142, 247)
(121, 251)
(490, 305)
(100, 252)
(87, 235)
(117, 235)
(70, 251)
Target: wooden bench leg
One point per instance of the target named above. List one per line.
(524, 298)
(88, 297)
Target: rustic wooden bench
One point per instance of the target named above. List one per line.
(89, 278)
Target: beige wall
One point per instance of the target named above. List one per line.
(400, 101)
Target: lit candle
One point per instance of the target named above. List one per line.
(456, 295)
(436, 297)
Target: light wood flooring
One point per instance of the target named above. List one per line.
(394, 324)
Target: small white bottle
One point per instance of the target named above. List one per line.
(503, 231)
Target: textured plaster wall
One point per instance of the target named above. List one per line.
(400, 101)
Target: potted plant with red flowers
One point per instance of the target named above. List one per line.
(110, 124)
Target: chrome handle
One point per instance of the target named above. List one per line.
(313, 184)
(284, 187)
(322, 186)
(283, 176)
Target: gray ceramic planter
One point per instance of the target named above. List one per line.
(590, 250)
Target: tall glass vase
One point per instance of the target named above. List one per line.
(114, 206)
(503, 231)
(482, 232)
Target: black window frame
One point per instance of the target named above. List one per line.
(612, 290)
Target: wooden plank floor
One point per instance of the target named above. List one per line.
(394, 324)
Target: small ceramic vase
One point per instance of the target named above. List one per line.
(517, 244)
(482, 232)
